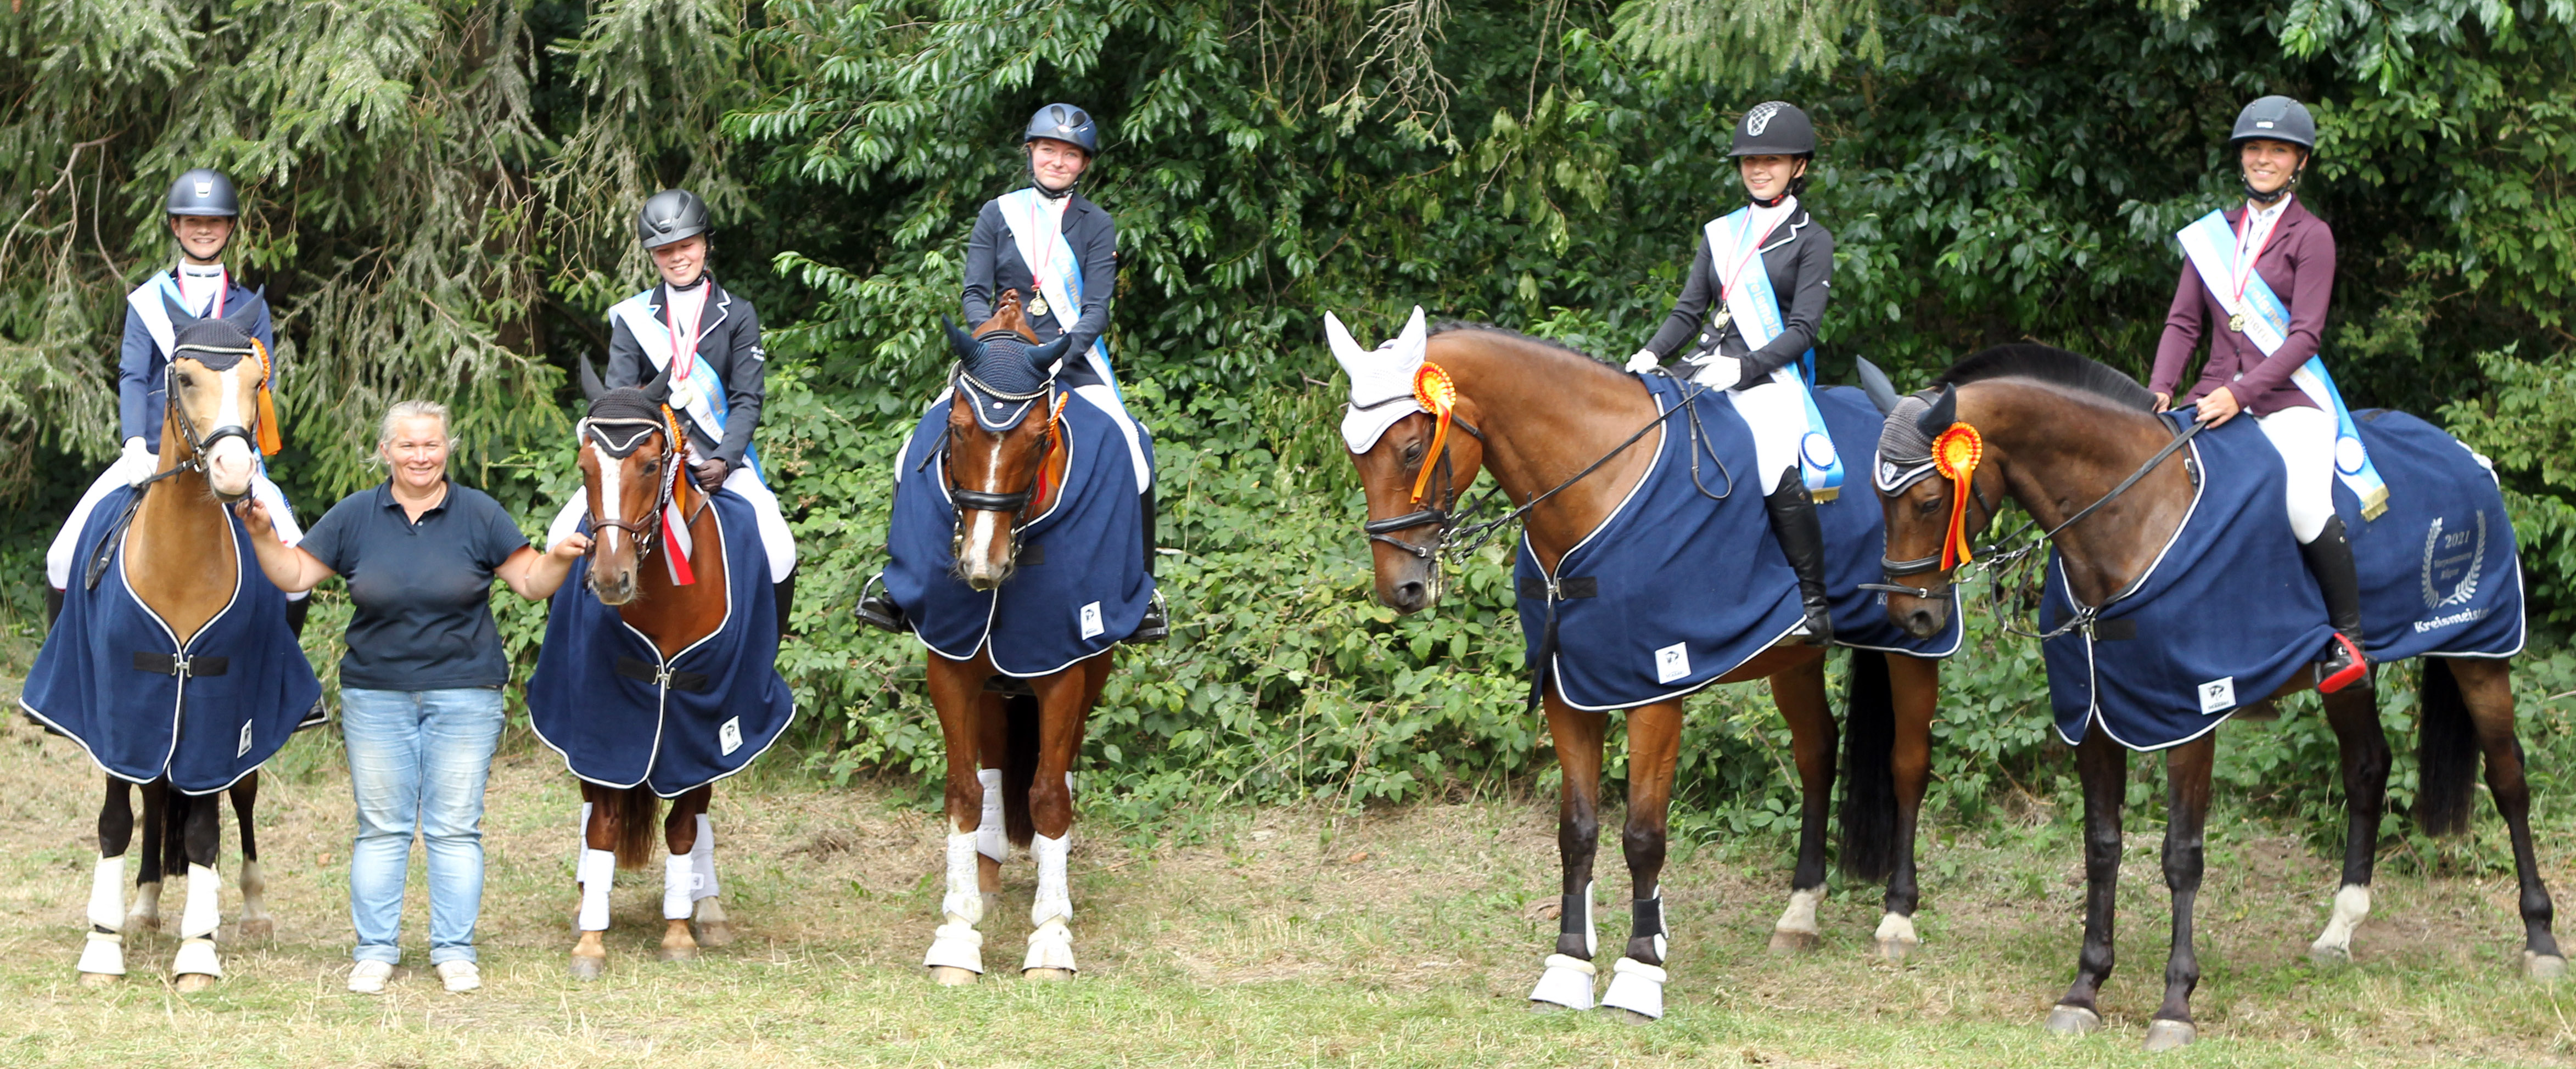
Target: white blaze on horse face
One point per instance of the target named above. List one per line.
(611, 500)
(986, 530)
(229, 462)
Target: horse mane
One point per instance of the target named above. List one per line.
(1450, 326)
(2052, 365)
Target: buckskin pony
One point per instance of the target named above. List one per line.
(658, 675)
(173, 663)
(1601, 462)
(1012, 554)
(2176, 599)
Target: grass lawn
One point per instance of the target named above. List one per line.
(1403, 937)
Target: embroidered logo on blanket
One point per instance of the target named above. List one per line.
(2454, 561)
(2218, 695)
(1672, 662)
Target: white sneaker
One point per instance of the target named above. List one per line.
(370, 976)
(461, 975)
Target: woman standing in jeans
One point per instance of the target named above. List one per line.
(420, 688)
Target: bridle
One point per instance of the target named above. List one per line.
(666, 472)
(261, 436)
(1013, 502)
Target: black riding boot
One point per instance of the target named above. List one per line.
(2330, 560)
(785, 591)
(1802, 540)
(877, 610)
(1157, 624)
(53, 606)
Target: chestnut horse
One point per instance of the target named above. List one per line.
(2060, 433)
(1539, 416)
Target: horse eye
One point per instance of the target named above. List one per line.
(1413, 453)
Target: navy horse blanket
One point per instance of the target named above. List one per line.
(1080, 586)
(1684, 582)
(114, 678)
(603, 697)
(2229, 613)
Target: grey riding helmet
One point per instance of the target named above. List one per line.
(1774, 128)
(668, 216)
(2274, 118)
(1064, 122)
(203, 191)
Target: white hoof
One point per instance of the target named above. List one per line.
(1896, 940)
(104, 957)
(2166, 1035)
(196, 957)
(2334, 945)
(1050, 947)
(2542, 967)
(956, 945)
(1567, 982)
(2073, 1021)
(952, 976)
(1635, 987)
(1796, 930)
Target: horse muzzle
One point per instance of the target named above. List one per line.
(230, 462)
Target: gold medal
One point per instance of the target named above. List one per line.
(1724, 316)
(2236, 322)
(1038, 305)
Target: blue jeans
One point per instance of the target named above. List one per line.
(417, 762)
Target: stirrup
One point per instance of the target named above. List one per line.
(878, 610)
(1157, 624)
(2344, 667)
(1816, 628)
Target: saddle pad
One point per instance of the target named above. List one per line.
(108, 676)
(596, 697)
(1080, 587)
(1675, 589)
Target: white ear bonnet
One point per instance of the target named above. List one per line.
(1381, 379)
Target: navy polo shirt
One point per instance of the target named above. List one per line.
(423, 590)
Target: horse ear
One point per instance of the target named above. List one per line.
(1939, 417)
(966, 348)
(178, 313)
(659, 389)
(1873, 382)
(243, 316)
(1047, 359)
(591, 387)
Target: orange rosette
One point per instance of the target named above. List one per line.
(1438, 395)
(1955, 455)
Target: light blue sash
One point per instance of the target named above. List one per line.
(1755, 308)
(2211, 245)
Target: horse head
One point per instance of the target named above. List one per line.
(996, 457)
(1410, 464)
(1918, 492)
(633, 460)
(219, 416)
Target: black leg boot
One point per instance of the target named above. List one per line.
(785, 591)
(1157, 624)
(1802, 540)
(53, 606)
(2330, 560)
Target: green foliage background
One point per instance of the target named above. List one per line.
(439, 191)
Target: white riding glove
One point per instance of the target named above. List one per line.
(1644, 361)
(136, 463)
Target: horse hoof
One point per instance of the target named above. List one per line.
(1629, 1016)
(1895, 951)
(1047, 975)
(2330, 956)
(676, 954)
(585, 967)
(191, 983)
(712, 935)
(1794, 942)
(2170, 1035)
(2543, 967)
(1537, 1006)
(257, 930)
(99, 979)
(952, 976)
(2073, 1021)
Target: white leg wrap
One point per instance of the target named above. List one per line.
(1567, 982)
(598, 868)
(1050, 947)
(196, 957)
(107, 896)
(702, 858)
(2351, 905)
(1896, 928)
(1636, 987)
(1800, 917)
(679, 880)
(104, 955)
(1591, 936)
(205, 892)
(989, 837)
(1054, 899)
(957, 945)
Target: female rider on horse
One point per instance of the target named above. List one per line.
(2292, 254)
(1781, 302)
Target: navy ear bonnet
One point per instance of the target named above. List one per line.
(218, 343)
(1905, 443)
(1002, 376)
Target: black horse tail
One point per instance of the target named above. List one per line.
(1869, 845)
(2446, 752)
(632, 819)
(1019, 767)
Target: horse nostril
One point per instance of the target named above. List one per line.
(1409, 593)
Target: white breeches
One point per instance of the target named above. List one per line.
(2305, 438)
(1102, 398)
(58, 557)
(1773, 410)
(774, 537)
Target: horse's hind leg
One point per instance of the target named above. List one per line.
(2186, 813)
(1577, 735)
(158, 857)
(1654, 746)
(2363, 746)
(711, 926)
(680, 874)
(1799, 693)
(2486, 687)
(1914, 692)
(255, 922)
(102, 960)
(2104, 769)
(196, 965)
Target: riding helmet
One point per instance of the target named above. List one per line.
(1774, 128)
(669, 216)
(203, 191)
(1064, 122)
(2275, 118)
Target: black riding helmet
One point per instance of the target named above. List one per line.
(203, 191)
(668, 216)
(2275, 118)
(1775, 128)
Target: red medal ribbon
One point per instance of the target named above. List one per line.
(675, 552)
(1433, 390)
(1955, 455)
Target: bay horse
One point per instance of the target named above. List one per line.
(2060, 432)
(1538, 416)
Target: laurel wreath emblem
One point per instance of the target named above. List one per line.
(2467, 588)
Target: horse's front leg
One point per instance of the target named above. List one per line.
(1654, 747)
(197, 967)
(1914, 692)
(1799, 692)
(2186, 814)
(102, 959)
(680, 881)
(2103, 766)
(1577, 735)
(155, 860)
(594, 876)
(2486, 687)
(255, 921)
(2363, 747)
(1064, 706)
(956, 690)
